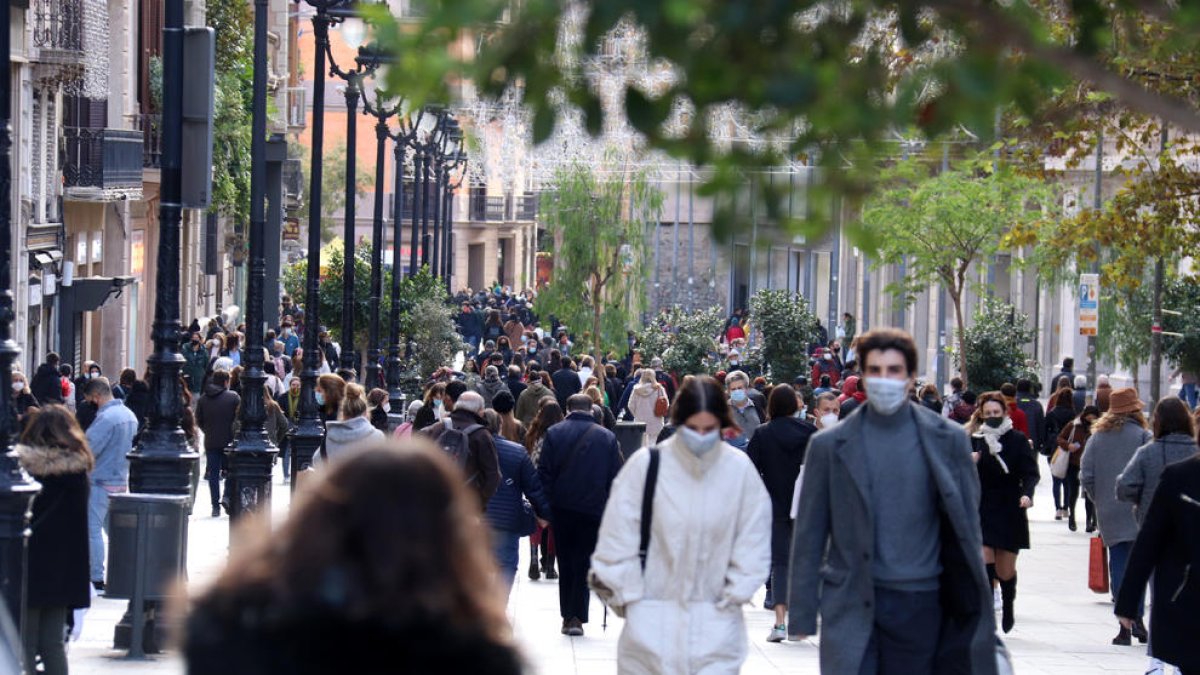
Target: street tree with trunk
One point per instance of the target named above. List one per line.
(941, 225)
(598, 228)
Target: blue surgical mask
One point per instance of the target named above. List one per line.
(699, 444)
(320, 398)
(737, 395)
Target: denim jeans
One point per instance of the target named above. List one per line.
(506, 546)
(97, 521)
(904, 638)
(1118, 557)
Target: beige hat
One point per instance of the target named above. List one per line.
(1124, 400)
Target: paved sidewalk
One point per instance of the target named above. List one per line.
(1062, 627)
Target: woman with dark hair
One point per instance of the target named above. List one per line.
(433, 409)
(1008, 474)
(777, 451)
(233, 348)
(1116, 436)
(930, 399)
(377, 400)
(1060, 414)
(682, 607)
(54, 450)
(235, 379)
(549, 413)
(383, 560)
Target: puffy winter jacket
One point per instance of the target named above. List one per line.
(518, 479)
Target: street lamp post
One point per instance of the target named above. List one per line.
(252, 454)
(414, 240)
(382, 134)
(459, 163)
(404, 136)
(309, 433)
(353, 78)
(16, 489)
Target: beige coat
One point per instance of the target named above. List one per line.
(641, 406)
(706, 559)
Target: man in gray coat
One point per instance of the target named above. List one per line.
(887, 546)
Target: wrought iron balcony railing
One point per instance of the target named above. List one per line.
(105, 159)
(58, 30)
(151, 130)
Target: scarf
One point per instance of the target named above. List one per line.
(992, 436)
(294, 405)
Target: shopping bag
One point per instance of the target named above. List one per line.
(1059, 463)
(1098, 566)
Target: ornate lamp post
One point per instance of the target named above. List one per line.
(364, 65)
(459, 163)
(16, 489)
(382, 134)
(405, 136)
(444, 143)
(252, 454)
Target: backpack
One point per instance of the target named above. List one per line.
(457, 444)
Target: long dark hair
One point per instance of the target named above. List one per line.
(389, 535)
(549, 413)
(1171, 416)
(53, 426)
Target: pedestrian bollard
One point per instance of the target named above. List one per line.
(629, 436)
(146, 545)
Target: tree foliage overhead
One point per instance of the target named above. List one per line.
(598, 228)
(233, 23)
(940, 226)
(333, 187)
(1183, 350)
(834, 78)
(786, 326)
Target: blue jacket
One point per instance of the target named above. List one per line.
(111, 437)
(517, 478)
(579, 484)
(622, 409)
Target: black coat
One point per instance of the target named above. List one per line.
(255, 638)
(777, 449)
(59, 575)
(1035, 417)
(46, 384)
(1056, 420)
(138, 400)
(1004, 523)
(1168, 546)
(215, 414)
(566, 384)
(577, 472)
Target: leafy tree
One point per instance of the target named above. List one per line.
(433, 335)
(233, 22)
(1183, 350)
(839, 78)
(994, 346)
(787, 326)
(600, 252)
(683, 340)
(333, 187)
(331, 308)
(941, 225)
(1123, 333)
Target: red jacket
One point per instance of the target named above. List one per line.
(1020, 422)
(823, 367)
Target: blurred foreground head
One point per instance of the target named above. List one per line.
(381, 566)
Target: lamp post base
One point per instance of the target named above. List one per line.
(306, 442)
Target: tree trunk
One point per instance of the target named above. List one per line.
(959, 331)
(597, 308)
(1156, 335)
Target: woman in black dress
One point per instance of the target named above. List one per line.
(1008, 473)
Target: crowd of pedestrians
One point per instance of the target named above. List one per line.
(868, 505)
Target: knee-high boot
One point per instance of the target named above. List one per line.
(535, 572)
(1008, 593)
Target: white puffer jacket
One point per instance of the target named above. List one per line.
(710, 550)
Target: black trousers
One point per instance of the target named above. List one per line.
(575, 538)
(45, 636)
(905, 636)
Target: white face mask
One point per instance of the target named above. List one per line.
(828, 420)
(829, 357)
(699, 444)
(885, 394)
(18, 385)
(801, 413)
(387, 407)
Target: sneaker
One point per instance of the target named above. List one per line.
(997, 601)
(778, 634)
(574, 628)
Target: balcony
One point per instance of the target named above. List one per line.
(151, 129)
(102, 164)
(506, 209)
(58, 31)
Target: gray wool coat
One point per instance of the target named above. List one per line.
(834, 541)
(1105, 456)
(1139, 480)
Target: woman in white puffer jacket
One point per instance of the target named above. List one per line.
(709, 548)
